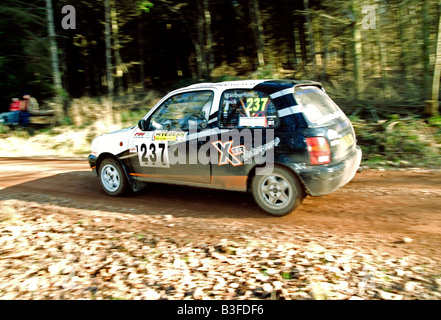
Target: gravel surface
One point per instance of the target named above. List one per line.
(55, 252)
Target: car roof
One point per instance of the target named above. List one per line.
(245, 84)
(268, 86)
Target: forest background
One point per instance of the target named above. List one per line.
(380, 60)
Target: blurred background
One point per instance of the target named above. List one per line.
(376, 58)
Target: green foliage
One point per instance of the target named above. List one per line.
(66, 121)
(131, 117)
(226, 78)
(145, 6)
(435, 121)
(183, 83)
(398, 141)
(266, 72)
(4, 129)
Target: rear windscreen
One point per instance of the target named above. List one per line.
(318, 108)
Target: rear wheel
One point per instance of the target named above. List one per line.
(277, 193)
(112, 177)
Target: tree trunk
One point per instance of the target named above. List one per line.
(208, 38)
(310, 36)
(357, 50)
(426, 52)
(108, 115)
(116, 46)
(288, 27)
(433, 105)
(54, 51)
(141, 51)
(200, 45)
(404, 54)
(302, 39)
(382, 57)
(107, 36)
(204, 43)
(257, 26)
(325, 55)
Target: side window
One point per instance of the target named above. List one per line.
(247, 109)
(177, 111)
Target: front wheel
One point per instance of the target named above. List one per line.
(112, 177)
(277, 193)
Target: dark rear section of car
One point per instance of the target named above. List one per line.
(317, 139)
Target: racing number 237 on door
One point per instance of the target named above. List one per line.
(153, 154)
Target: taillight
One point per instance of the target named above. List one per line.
(318, 149)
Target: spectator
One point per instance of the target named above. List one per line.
(15, 105)
(29, 103)
(14, 115)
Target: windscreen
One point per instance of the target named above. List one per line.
(318, 108)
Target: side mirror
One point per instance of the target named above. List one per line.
(143, 125)
(166, 125)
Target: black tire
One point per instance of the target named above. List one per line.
(112, 177)
(277, 193)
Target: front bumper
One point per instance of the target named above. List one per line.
(321, 180)
(92, 162)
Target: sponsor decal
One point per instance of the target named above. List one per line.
(230, 154)
(145, 135)
(347, 140)
(261, 150)
(169, 136)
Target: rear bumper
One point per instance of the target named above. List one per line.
(321, 180)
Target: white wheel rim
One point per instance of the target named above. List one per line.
(276, 191)
(110, 178)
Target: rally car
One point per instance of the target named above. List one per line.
(280, 140)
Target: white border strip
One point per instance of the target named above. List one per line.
(289, 111)
(282, 93)
(205, 133)
(212, 120)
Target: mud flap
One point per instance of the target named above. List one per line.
(135, 185)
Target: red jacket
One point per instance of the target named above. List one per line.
(14, 106)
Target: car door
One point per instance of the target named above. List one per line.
(247, 118)
(167, 150)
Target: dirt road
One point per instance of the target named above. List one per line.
(384, 210)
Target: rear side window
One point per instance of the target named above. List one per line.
(318, 108)
(247, 109)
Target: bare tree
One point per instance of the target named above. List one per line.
(53, 50)
(382, 57)
(426, 52)
(257, 26)
(310, 35)
(107, 36)
(121, 68)
(357, 48)
(432, 106)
